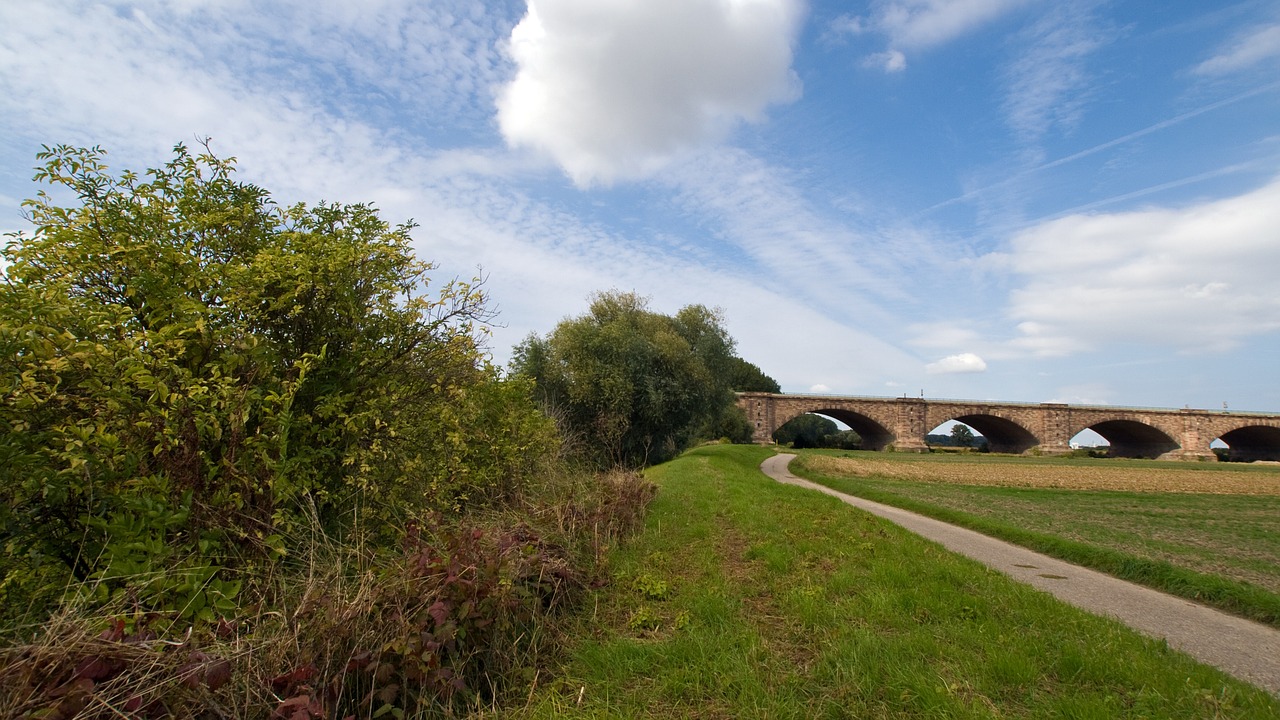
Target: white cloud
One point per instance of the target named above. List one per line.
(890, 60)
(819, 389)
(921, 24)
(1197, 278)
(845, 25)
(1047, 84)
(1244, 52)
(962, 363)
(613, 89)
(926, 23)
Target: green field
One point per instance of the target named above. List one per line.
(1220, 548)
(747, 598)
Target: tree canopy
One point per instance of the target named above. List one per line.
(633, 386)
(745, 376)
(962, 435)
(815, 431)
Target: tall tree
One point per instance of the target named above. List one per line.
(632, 385)
(805, 431)
(745, 376)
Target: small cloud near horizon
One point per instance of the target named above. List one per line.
(961, 363)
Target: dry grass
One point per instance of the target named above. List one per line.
(441, 626)
(1032, 474)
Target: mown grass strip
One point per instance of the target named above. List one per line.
(1233, 596)
(747, 598)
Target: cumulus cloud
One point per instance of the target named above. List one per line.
(1195, 278)
(613, 89)
(962, 363)
(819, 389)
(1244, 52)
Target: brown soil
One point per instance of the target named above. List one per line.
(1143, 479)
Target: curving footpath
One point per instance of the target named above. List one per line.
(1239, 647)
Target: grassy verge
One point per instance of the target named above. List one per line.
(1218, 549)
(443, 624)
(746, 598)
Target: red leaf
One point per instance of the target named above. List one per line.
(439, 612)
(289, 680)
(217, 673)
(79, 686)
(299, 707)
(113, 633)
(224, 629)
(360, 661)
(96, 668)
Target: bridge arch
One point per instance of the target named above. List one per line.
(1132, 438)
(875, 436)
(1003, 435)
(903, 423)
(1252, 442)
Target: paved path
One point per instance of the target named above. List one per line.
(1242, 648)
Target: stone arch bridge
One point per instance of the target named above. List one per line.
(902, 423)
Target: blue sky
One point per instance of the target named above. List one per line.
(1018, 200)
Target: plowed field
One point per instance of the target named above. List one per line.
(1034, 475)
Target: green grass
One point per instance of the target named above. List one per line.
(744, 598)
(1222, 550)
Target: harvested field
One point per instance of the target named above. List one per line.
(1218, 520)
(1032, 474)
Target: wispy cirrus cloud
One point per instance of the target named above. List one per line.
(1245, 51)
(1048, 83)
(766, 221)
(1023, 175)
(914, 25)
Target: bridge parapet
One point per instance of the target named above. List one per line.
(902, 424)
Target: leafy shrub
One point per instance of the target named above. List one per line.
(193, 370)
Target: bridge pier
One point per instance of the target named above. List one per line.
(909, 430)
(1055, 429)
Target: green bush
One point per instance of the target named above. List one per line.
(193, 370)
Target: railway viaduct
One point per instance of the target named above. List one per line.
(902, 423)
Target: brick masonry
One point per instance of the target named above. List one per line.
(902, 423)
